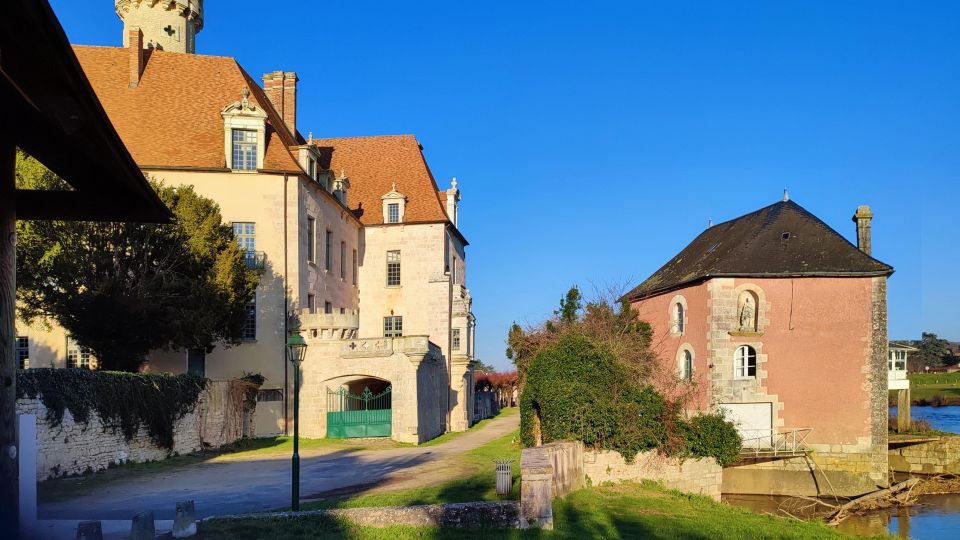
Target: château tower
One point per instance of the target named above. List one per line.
(168, 25)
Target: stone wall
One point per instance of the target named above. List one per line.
(699, 476)
(941, 456)
(556, 469)
(75, 448)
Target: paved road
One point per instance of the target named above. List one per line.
(232, 487)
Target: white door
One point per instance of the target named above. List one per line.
(754, 422)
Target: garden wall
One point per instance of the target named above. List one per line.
(703, 476)
(556, 469)
(74, 448)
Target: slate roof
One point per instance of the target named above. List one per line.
(374, 165)
(172, 118)
(780, 240)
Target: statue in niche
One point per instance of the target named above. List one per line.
(748, 313)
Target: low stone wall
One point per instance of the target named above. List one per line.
(700, 476)
(556, 469)
(941, 456)
(75, 448)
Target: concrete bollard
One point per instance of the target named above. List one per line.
(89, 530)
(185, 522)
(142, 527)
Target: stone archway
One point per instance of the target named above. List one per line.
(359, 406)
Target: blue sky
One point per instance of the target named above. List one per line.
(593, 142)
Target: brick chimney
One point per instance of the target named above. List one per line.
(137, 55)
(862, 218)
(281, 89)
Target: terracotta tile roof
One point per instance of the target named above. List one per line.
(172, 119)
(373, 165)
(753, 245)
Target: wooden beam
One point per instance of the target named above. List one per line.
(9, 459)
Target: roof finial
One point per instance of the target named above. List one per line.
(343, 173)
(709, 222)
(394, 188)
(453, 183)
(245, 94)
(309, 137)
(786, 194)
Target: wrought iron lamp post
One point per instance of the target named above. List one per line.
(296, 351)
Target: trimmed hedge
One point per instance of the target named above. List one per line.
(577, 390)
(123, 401)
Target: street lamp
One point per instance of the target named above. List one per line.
(296, 352)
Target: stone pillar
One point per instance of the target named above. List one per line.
(903, 410)
(461, 376)
(536, 489)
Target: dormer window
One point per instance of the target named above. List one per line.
(244, 134)
(244, 150)
(393, 206)
(393, 213)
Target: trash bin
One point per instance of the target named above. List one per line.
(504, 476)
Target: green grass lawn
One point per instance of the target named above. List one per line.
(924, 386)
(610, 512)
(478, 482)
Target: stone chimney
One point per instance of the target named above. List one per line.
(137, 55)
(862, 218)
(453, 198)
(281, 89)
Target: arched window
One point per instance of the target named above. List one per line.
(686, 366)
(679, 322)
(745, 362)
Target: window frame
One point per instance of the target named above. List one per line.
(455, 339)
(686, 366)
(745, 361)
(343, 260)
(328, 308)
(393, 212)
(393, 326)
(355, 267)
(311, 240)
(328, 250)
(241, 151)
(311, 303)
(680, 313)
(394, 275)
(81, 354)
(247, 335)
(21, 351)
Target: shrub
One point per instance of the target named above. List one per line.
(123, 401)
(711, 435)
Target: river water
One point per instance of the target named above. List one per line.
(934, 517)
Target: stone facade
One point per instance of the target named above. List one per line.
(411, 365)
(75, 448)
(815, 339)
(941, 456)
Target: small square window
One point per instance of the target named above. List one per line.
(311, 303)
(393, 326)
(328, 308)
(456, 339)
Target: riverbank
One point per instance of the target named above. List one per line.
(933, 389)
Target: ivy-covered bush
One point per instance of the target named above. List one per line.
(123, 401)
(712, 435)
(577, 390)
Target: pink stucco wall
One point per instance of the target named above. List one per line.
(658, 311)
(816, 343)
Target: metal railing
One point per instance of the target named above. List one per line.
(256, 260)
(774, 443)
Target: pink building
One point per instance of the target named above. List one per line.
(781, 322)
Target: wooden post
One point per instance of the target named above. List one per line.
(903, 410)
(9, 460)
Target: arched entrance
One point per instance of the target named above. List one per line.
(360, 408)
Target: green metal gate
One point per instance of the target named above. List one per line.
(366, 415)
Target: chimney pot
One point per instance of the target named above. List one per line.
(137, 58)
(862, 218)
(281, 89)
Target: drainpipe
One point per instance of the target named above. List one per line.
(286, 309)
